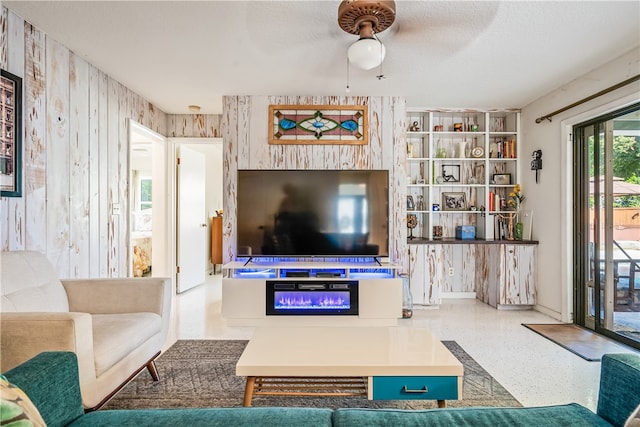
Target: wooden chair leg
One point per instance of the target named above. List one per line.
(151, 367)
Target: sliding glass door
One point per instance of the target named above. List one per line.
(607, 225)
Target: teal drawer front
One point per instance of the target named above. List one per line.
(415, 388)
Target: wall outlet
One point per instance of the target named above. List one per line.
(451, 272)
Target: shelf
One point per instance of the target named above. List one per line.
(453, 133)
(497, 132)
(457, 159)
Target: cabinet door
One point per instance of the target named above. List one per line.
(527, 273)
(518, 284)
(495, 274)
(425, 286)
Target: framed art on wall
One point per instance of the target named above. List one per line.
(318, 124)
(10, 135)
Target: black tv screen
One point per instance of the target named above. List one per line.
(302, 213)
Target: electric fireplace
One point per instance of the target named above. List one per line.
(311, 297)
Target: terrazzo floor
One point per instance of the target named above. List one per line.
(532, 368)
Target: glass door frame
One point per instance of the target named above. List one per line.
(583, 281)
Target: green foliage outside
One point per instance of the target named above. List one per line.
(626, 165)
(145, 194)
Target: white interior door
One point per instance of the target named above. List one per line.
(192, 221)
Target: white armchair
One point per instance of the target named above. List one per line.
(115, 326)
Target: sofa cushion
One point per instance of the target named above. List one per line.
(29, 283)
(619, 387)
(16, 408)
(117, 335)
(210, 417)
(51, 381)
(563, 415)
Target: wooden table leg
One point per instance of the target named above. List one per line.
(442, 404)
(248, 391)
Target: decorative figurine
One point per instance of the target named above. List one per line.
(412, 222)
(415, 127)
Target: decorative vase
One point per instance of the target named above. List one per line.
(462, 149)
(407, 298)
(519, 230)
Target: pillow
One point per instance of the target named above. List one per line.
(16, 409)
(634, 419)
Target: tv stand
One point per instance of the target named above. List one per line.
(244, 291)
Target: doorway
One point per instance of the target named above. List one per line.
(149, 225)
(194, 260)
(607, 224)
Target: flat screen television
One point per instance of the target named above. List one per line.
(308, 213)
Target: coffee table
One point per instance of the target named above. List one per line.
(382, 363)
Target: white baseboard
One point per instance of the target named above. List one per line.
(552, 313)
(457, 295)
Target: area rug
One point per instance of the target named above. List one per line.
(578, 340)
(201, 373)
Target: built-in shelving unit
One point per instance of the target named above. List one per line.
(462, 165)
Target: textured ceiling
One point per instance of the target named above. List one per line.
(439, 53)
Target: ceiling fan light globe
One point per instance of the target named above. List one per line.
(366, 53)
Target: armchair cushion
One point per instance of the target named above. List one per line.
(117, 335)
(29, 283)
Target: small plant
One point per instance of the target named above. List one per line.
(516, 198)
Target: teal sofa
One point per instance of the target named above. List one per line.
(51, 381)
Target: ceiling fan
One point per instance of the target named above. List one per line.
(366, 18)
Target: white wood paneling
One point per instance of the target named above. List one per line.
(79, 256)
(57, 154)
(229, 126)
(4, 36)
(35, 142)
(103, 174)
(93, 176)
(113, 194)
(193, 125)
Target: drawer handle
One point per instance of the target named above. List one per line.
(424, 389)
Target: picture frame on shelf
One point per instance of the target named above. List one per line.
(451, 173)
(502, 178)
(10, 135)
(454, 201)
(411, 206)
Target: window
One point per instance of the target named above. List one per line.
(145, 193)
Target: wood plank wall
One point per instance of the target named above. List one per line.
(75, 166)
(193, 125)
(244, 131)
